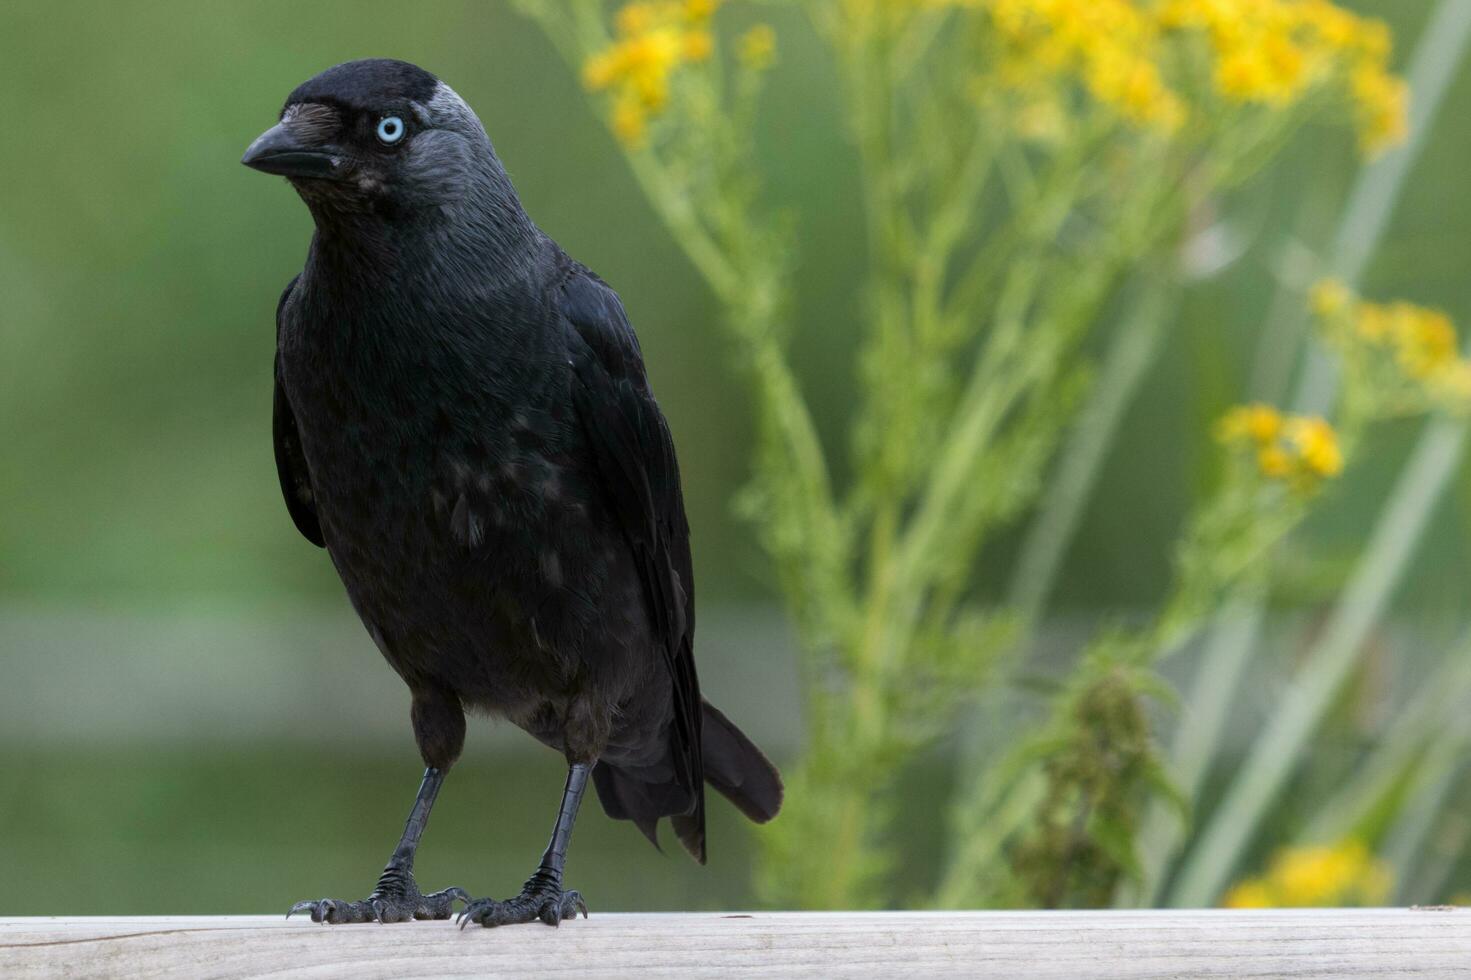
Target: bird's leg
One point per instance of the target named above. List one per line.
(542, 897)
(397, 897)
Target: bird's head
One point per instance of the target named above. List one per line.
(378, 136)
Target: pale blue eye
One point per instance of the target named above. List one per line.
(390, 129)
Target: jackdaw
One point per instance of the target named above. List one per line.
(463, 421)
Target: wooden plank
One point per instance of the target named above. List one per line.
(1379, 943)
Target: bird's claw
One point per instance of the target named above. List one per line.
(402, 906)
(315, 908)
(539, 902)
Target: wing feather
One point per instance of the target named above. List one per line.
(291, 468)
(634, 451)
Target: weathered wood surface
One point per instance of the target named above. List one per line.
(1377, 943)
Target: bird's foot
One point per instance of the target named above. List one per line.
(542, 899)
(396, 899)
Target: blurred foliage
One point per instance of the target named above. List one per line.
(931, 277)
(1091, 766)
(1019, 160)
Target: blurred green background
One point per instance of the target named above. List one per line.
(191, 721)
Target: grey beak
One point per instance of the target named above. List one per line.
(279, 151)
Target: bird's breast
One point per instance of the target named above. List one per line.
(455, 493)
(417, 465)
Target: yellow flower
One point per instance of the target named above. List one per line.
(1397, 343)
(699, 11)
(1345, 873)
(1373, 323)
(1133, 86)
(1263, 423)
(1274, 462)
(1330, 297)
(698, 45)
(657, 51)
(1382, 102)
(630, 121)
(756, 48)
(1111, 46)
(1306, 876)
(1426, 340)
(643, 61)
(635, 18)
(1287, 63)
(1316, 445)
(1257, 422)
(1240, 74)
(1249, 894)
(655, 38)
(601, 70)
(1373, 40)
(1301, 450)
(1268, 69)
(1271, 52)
(1335, 27)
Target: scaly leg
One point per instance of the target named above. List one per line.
(542, 897)
(396, 897)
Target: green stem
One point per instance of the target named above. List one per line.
(1005, 813)
(1420, 724)
(1424, 801)
(1275, 752)
(1135, 345)
(1202, 723)
(1005, 371)
(1365, 218)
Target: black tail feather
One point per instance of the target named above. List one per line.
(738, 769)
(626, 797)
(735, 767)
(690, 829)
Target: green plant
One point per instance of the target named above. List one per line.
(1020, 162)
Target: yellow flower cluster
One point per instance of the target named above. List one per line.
(1301, 450)
(1341, 874)
(1112, 46)
(1272, 51)
(653, 40)
(1264, 52)
(1421, 342)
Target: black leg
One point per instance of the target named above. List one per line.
(555, 857)
(396, 897)
(542, 897)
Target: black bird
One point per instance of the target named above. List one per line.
(463, 421)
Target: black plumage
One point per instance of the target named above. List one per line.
(463, 420)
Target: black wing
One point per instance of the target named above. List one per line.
(296, 483)
(640, 477)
